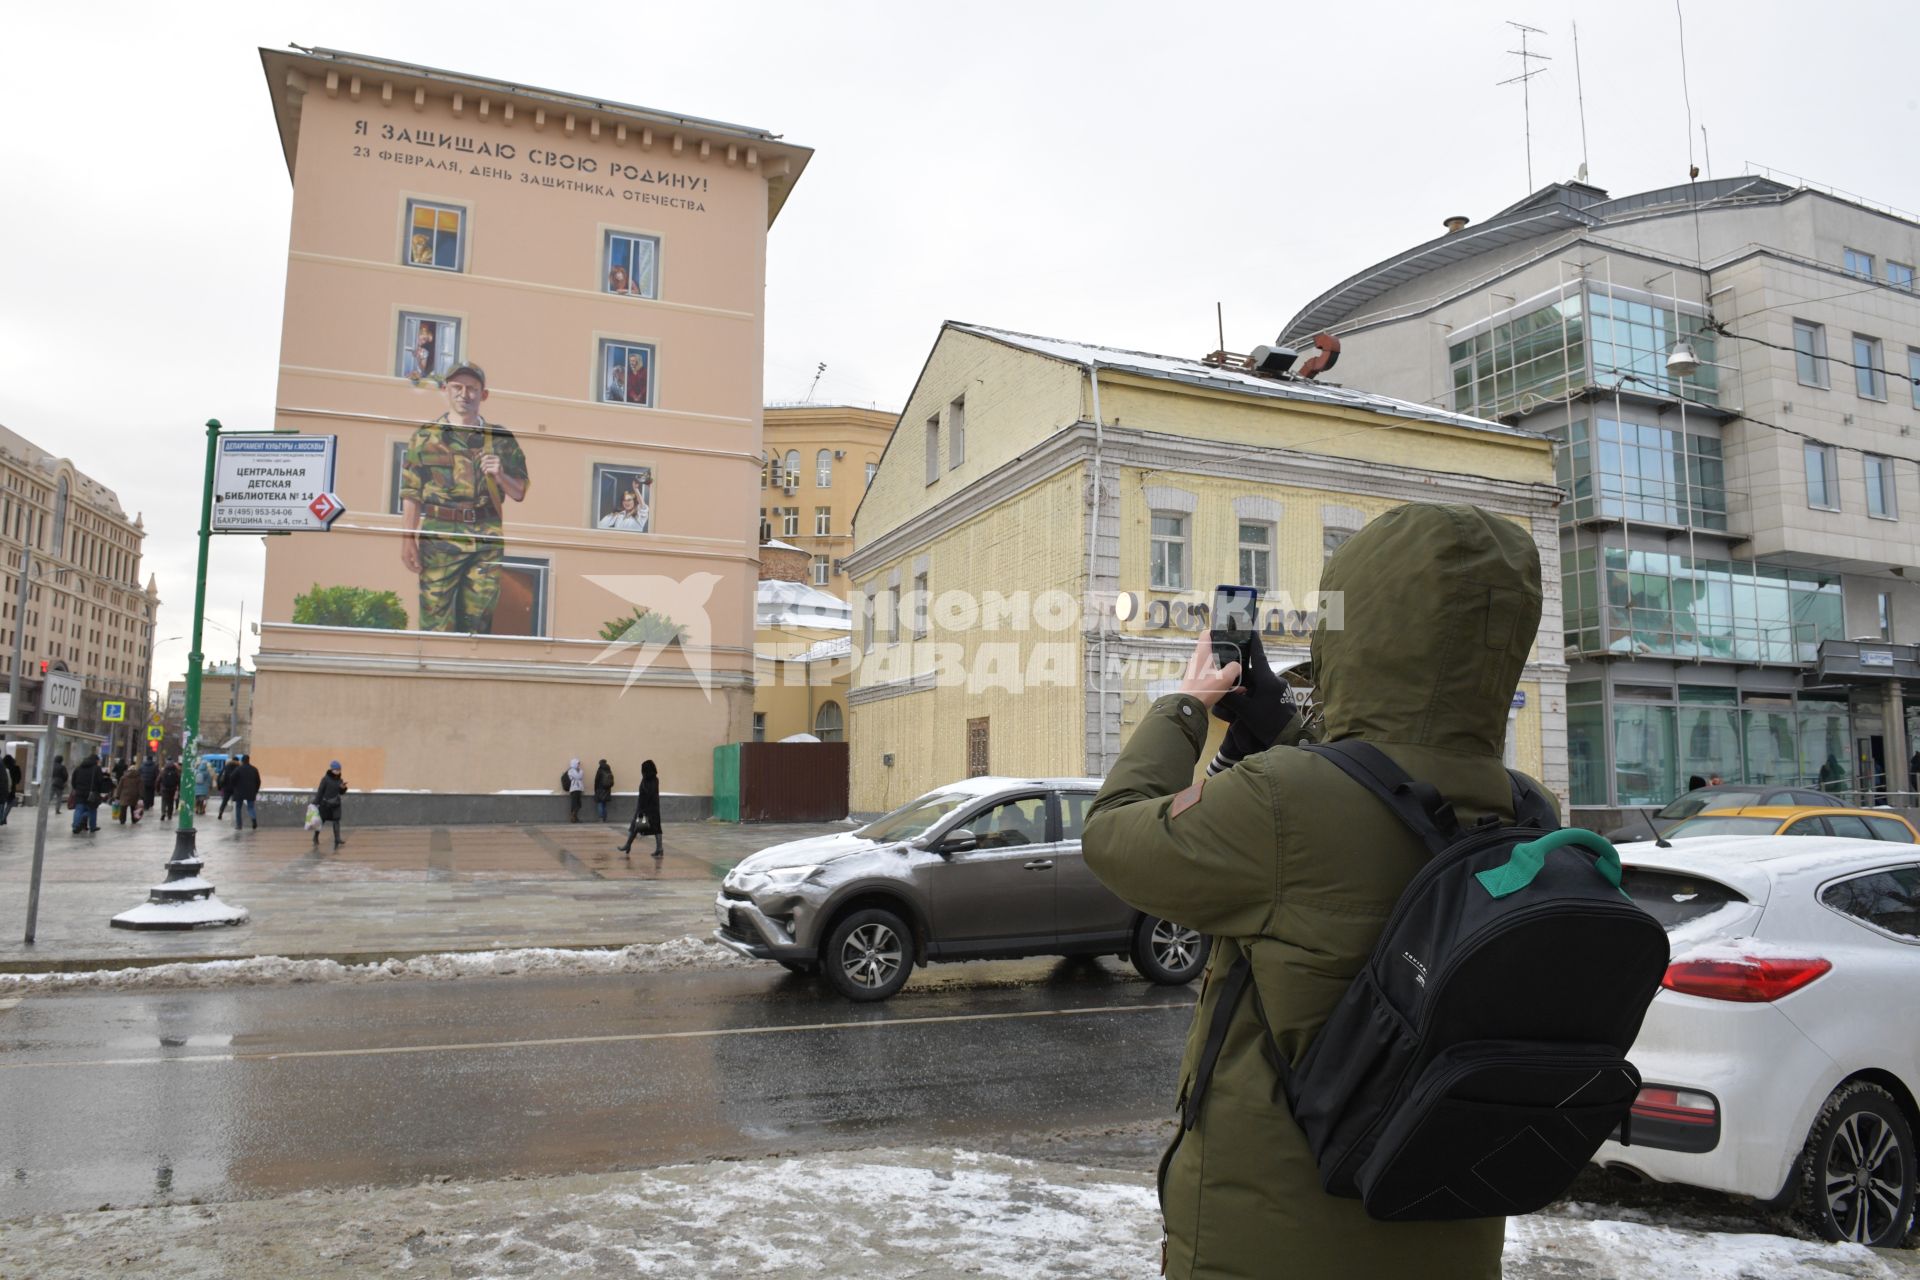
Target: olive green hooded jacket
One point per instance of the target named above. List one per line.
(1287, 859)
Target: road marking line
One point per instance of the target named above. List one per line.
(633, 1037)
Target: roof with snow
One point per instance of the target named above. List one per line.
(796, 604)
(1197, 373)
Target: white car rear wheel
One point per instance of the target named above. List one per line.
(1857, 1172)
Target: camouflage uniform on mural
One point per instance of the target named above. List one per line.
(457, 472)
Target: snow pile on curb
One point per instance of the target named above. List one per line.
(688, 952)
(901, 1213)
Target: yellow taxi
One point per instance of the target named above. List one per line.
(1795, 820)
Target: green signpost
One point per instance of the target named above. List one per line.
(186, 900)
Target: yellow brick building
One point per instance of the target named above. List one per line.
(818, 461)
(1033, 557)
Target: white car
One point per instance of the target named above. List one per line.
(1781, 1059)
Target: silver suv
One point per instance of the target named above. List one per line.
(983, 868)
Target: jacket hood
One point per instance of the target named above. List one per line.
(1441, 604)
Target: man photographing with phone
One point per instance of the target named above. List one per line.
(1286, 860)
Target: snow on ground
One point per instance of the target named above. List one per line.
(687, 952)
(912, 1214)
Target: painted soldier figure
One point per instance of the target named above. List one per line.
(458, 471)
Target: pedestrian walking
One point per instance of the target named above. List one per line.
(574, 783)
(602, 788)
(149, 778)
(10, 767)
(227, 770)
(6, 793)
(169, 789)
(205, 786)
(246, 786)
(126, 795)
(326, 798)
(646, 810)
(59, 779)
(89, 784)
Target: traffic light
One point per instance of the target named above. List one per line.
(43, 666)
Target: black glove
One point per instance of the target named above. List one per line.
(1259, 713)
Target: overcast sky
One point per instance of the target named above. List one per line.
(1105, 172)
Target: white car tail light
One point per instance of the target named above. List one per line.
(1746, 979)
(1678, 1106)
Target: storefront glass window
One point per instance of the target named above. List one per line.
(1773, 752)
(1643, 753)
(1709, 735)
(1825, 757)
(1587, 753)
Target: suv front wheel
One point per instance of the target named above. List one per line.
(1169, 954)
(869, 955)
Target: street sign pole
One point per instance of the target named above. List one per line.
(42, 802)
(186, 901)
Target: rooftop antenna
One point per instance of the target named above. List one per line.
(820, 369)
(1580, 90)
(1220, 322)
(1527, 72)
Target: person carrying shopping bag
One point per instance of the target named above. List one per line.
(646, 811)
(326, 804)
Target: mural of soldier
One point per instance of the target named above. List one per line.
(457, 471)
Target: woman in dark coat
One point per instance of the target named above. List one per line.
(646, 810)
(602, 788)
(326, 798)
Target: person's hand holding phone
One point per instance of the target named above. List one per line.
(1205, 682)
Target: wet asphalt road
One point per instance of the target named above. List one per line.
(245, 1092)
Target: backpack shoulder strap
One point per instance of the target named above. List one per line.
(1419, 805)
(1531, 806)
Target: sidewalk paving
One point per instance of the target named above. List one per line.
(391, 891)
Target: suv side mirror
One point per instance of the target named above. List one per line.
(959, 841)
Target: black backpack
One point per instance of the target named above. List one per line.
(1479, 1058)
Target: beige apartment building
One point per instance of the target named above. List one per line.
(1040, 546)
(84, 607)
(567, 567)
(819, 461)
(226, 707)
(1741, 573)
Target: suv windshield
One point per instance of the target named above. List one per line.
(1673, 897)
(1724, 827)
(916, 818)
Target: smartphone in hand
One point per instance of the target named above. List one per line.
(1236, 613)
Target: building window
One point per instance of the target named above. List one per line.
(766, 529)
(759, 726)
(1880, 496)
(1883, 610)
(626, 373)
(956, 433)
(868, 603)
(822, 569)
(978, 752)
(1331, 540)
(1823, 491)
(822, 521)
(823, 469)
(1870, 372)
(1256, 555)
(1913, 375)
(1810, 353)
(1637, 471)
(792, 480)
(427, 346)
(874, 466)
(766, 470)
(398, 472)
(1859, 264)
(789, 522)
(933, 448)
(1168, 553)
(632, 265)
(436, 236)
(60, 517)
(921, 605)
(1900, 276)
(828, 724)
(522, 606)
(893, 613)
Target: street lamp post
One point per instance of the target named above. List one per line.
(185, 901)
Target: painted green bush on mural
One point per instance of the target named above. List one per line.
(350, 607)
(643, 627)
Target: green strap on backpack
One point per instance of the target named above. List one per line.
(1527, 860)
